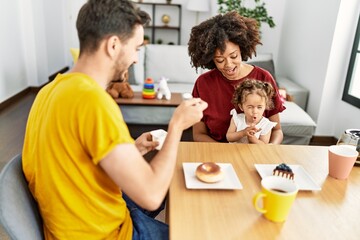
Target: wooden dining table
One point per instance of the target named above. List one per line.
(330, 213)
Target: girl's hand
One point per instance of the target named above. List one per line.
(251, 130)
(250, 133)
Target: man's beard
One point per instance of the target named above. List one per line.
(119, 72)
(119, 77)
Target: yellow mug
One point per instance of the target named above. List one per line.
(278, 195)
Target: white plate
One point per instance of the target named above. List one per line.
(301, 176)
(230, 181)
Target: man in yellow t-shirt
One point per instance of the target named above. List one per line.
(79, 158)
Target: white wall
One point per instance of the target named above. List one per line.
(31, 44)
(53, 20)
(305, 45)
(336, 115)
(271, 37)
(305, 49)
(12, 64)
(315, 46)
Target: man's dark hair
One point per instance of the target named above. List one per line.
(98, 19)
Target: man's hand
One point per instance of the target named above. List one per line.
(188, 113)
(145, 144)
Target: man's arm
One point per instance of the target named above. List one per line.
(147, 183)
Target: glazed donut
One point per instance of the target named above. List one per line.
(209, 172)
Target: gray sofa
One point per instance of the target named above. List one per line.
(173, 62)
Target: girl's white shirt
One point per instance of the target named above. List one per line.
(265, 125)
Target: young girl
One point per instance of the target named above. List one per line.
(253, 97)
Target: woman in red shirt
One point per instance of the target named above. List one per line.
(221, 44)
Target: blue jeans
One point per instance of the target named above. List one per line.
(146, 227)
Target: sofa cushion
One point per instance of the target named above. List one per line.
(172, 62)
(298, 93)
(295, 121)
(137, 71)
(267, 65)
(264, 61)
(261, 57)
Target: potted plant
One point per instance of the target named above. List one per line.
(146, 39)
(259, 12)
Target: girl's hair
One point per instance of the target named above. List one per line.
(251, 86)
(215, 32)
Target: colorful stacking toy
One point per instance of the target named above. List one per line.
(149, 89)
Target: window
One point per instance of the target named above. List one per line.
(351, 92)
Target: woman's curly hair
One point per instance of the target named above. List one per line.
(250, 86)
(213, 34)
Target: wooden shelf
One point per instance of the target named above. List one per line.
(156, 10)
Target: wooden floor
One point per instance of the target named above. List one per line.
(12, 127)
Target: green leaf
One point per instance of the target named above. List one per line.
(259, 13)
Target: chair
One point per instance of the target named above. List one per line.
(19, 214)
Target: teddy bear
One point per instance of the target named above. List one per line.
(120, 88)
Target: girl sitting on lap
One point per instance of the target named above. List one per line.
(253, 97)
